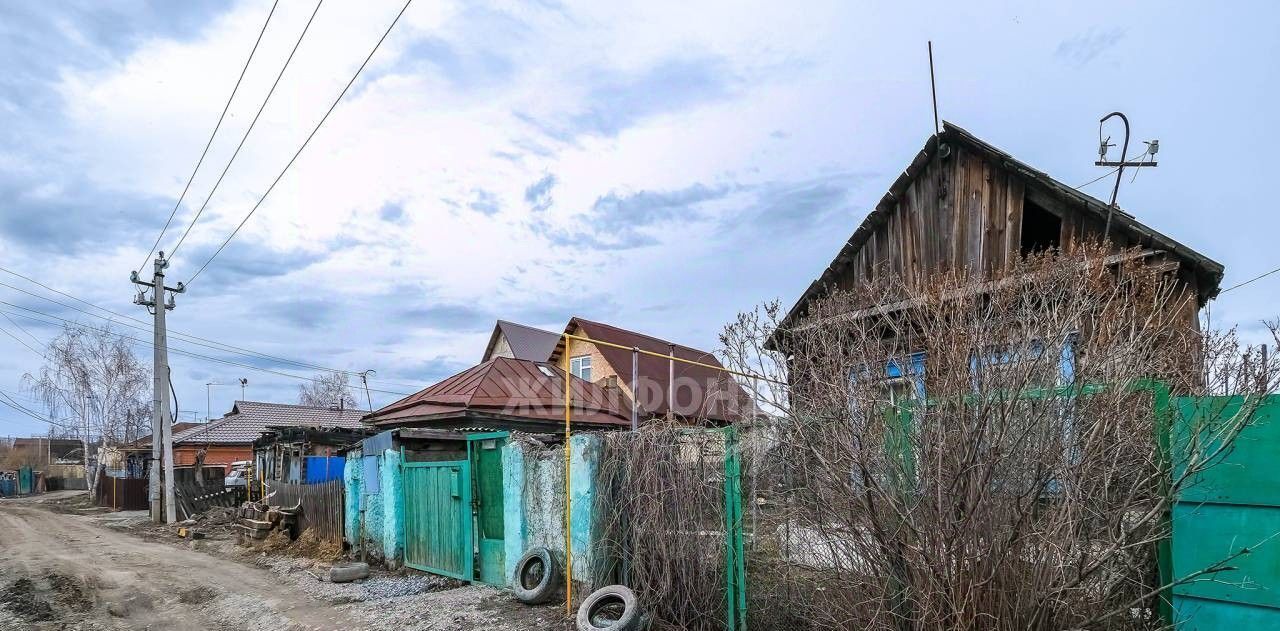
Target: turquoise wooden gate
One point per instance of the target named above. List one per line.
(1231, 506)
(486, 463)
(437, 518)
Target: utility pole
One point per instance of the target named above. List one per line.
(161, 427)
(208, 399)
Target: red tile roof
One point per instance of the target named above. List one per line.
(512, 388)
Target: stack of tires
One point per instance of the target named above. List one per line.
(614, 608)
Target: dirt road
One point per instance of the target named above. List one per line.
(60, 571)
(70, 570)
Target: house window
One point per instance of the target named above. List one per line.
(1041, 229)
(895, 385)
(998, 366)
(580, 367)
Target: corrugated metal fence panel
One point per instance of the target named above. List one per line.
(324, 468)
(8, 487)
(322, 505)
(1234, 503)
(123, 493)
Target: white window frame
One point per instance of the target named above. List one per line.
(580, 367)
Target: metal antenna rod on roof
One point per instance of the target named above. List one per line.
(1103, 145)
(364, 378)
(933, 87)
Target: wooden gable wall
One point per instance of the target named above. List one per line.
(964, 211)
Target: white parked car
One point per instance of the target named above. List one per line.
(238, 476)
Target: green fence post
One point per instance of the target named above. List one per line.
(735, 563)
(1164, 420)
(1163, 410)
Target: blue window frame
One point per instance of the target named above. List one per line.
(1034, 351)
(909, 381)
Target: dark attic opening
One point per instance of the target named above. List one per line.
(1041, 229)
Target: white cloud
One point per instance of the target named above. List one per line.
(470, 102)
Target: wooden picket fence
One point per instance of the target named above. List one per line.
(322, 506)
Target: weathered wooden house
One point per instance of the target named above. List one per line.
(964, 205)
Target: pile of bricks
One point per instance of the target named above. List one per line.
(257, 521)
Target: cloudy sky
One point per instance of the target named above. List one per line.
(660, 166)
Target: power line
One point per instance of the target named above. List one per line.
(1258, 277)
(24, 330)
(7, 400)
(18, 339)
(185, 337)
(208, 144)
(245, 137)
(304, 143)
(1111, 172)
(179, 351)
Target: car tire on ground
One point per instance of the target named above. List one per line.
(347, 572)
(536, 577)
(591, 613)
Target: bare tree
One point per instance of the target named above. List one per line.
(327, 389)
(982, 453)
(92, 376)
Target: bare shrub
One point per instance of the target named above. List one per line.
(977, 453)
(660, 521)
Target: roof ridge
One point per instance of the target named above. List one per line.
(296, 405)
(639, 334)
(973, 139)
(525, 326)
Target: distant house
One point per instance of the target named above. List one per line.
(50, 450)
(518, 341)
(690, 391)
(303, 455)
(230, 438)
(505, 394)
(520, 384)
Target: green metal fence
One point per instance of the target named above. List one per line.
(1225, 552)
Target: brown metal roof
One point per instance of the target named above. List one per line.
(513, 388)
(526, 342)
(717, 397)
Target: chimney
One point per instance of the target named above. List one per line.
(611, 382)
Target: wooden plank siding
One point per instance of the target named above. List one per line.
(963, 212)
(962, 205)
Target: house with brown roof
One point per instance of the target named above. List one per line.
(230, 438)
(963, 204)
(518, 341)
(504, 394)
(520, 383)
(661, 387)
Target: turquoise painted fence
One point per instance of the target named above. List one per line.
(374, 510)
(533, 501)
(1226, 522)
